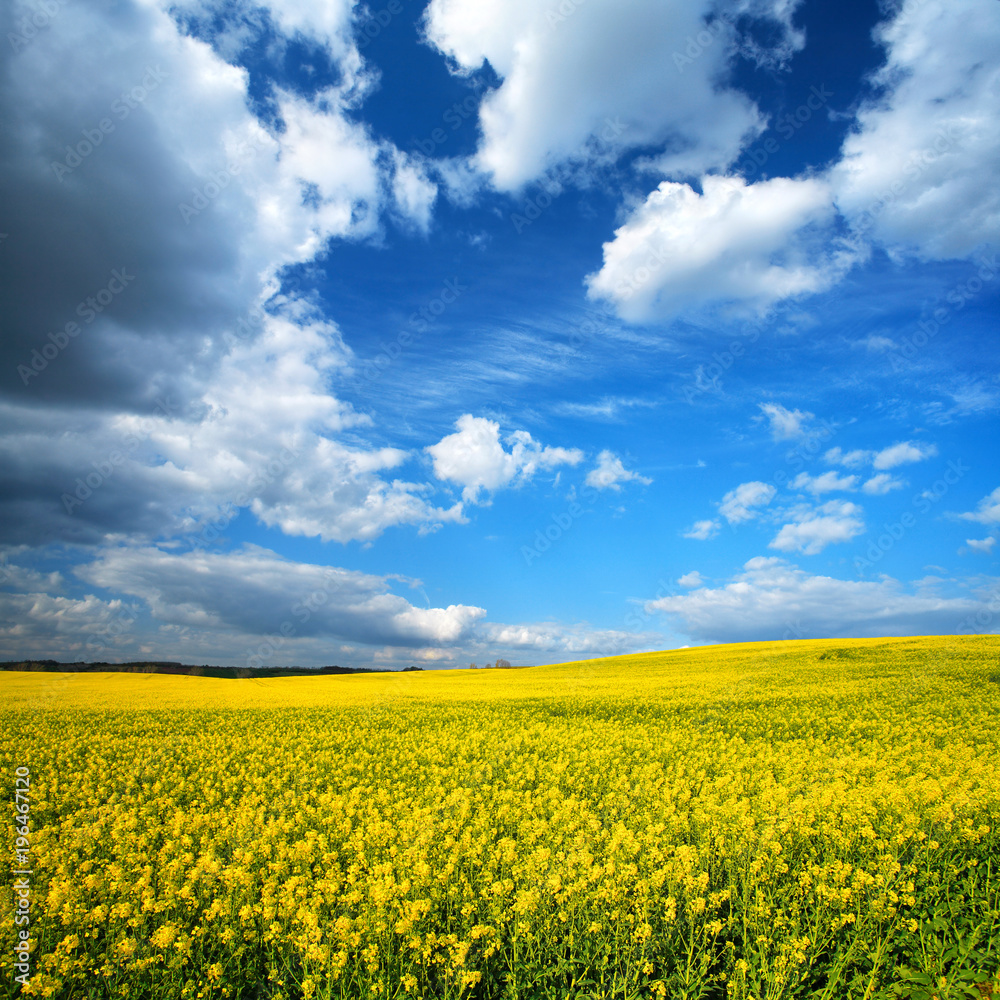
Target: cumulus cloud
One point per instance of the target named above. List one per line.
(252, 606)
(902, 454)
(692, 579)
(254, 591)
(581, 86)
(909, 179)
(475, 458)
(987, 510)
(881, 484)
(786, 425)
(263, 437)
(852, 459)
(556, 638)
(183, 394)
(984, 545)
(207, 205)
(702, 530)
(413, 191)
(609, 473)
(75, 628)
(911, 173)
(877, 344)
(238, 23)
(25, 579)
(772, 599)
(751, 244)
(827, 482)
(813, 529)
(187, 280)
(738, 505)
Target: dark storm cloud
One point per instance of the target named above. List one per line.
(101, 275)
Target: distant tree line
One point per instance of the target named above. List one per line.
(501, 664)
(168, 667)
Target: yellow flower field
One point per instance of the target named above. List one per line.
(801, 819)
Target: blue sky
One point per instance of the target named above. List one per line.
(441, 332)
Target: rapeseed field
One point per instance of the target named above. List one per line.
(776, 820)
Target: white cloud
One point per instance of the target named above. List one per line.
(877, 344)
(881, 484)
(987, 510)
(607, 408)
(327, 181)
(27, 580)
(569, 640)
(827, 482)
(786, 424)
(852, 459)
(909, 179)
(413, 191)
(254, 591)
(252, 606)
(474, 457)
(581, 86)
(692, 579)
(328, 490)
(984, 545)
(70, 627)
(462, 183)
(235, 24)
(737, 505)
(911, 174)
(815, 528)
(609, 473)
(902, 454)
(196, 272)
(204, 204)
(263, 436)
(772, 599)
(887, 458)
(702, 530)
(751, 244)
